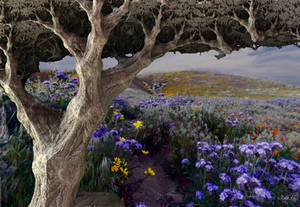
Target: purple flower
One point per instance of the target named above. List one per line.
(249, 203)
(74, 80)
(184, 161)
(201, 163)
(117, 115)
(46, 83)
(69, 85)
(209, 167)
(276, 145)
(295, 185)
(91, 147)
(214, 155)
(262, 193)
(141, 205)
(239, 169)
(211, 187)
(225, 178)
(231, 195)
(199, 195)
(54, 84)
(61, 75)
(191, 204)
(287, 165)
(113, 132)
(75, 92)
(236, 161)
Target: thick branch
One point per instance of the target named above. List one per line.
(111, 20)
(32, 113)
(116, 79)
(250, 23)
(74, 44)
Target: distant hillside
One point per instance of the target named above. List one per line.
(213, 84)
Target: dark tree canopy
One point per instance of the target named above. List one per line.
(223, 25)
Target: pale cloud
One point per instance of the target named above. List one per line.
(266, 63)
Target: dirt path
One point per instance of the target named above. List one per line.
(158, 190)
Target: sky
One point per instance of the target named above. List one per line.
(269, 63)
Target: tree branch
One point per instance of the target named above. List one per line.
(87, 6)
(250, 23)
(116, 79)
(111, 20)
(74, 44)
(296, 34)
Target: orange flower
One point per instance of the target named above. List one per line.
(254, 135)
(250, 132)
(254, 141)
(257, 127)
(122, 200)
(264, 126)
(274, 136)
(220, 109)
(296, 158)
(276, 152)
(121, 181)
(282, 139)
(298, 153)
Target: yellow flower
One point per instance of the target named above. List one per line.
(145, 152)
(124, 171)
(71, 93)
(114, 168)
(116, 111)
(122, 117)
(151, 172)
(138, 124)
(117, 161)
(124, 163)
(38, 77)
(122, 139)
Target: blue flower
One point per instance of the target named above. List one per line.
(211, 187)
(295, 185)
(74, 80)
(262, 193)
(141, 204)
(225, 178)
(191, 204)
(184, 161)
(199, 195)
(239, 169)
(91, 147)
(231, 195)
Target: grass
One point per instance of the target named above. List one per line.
(205, 136)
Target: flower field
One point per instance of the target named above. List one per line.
(232, 151)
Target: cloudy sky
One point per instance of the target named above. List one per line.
(265, 63)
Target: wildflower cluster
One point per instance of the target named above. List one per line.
(242, 175)
(120, 165)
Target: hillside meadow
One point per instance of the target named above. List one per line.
(171, 149)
